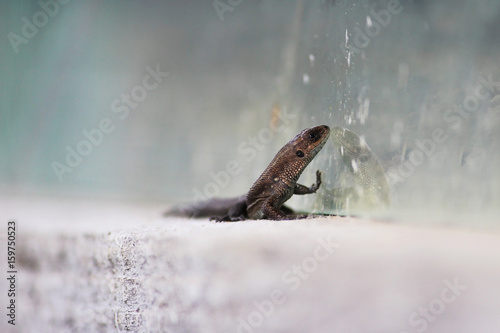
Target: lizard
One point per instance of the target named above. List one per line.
(371, 188)
(278, 182)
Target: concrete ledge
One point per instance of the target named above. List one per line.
(321, 275)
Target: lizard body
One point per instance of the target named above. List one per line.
(273, 188)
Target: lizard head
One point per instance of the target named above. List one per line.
(309, 142)
(294, 157)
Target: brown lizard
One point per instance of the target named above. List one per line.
(273, 188)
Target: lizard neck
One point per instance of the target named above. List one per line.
(291, 160)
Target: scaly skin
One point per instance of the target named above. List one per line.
(279, 181)
(273, 188)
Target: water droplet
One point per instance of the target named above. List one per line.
(311, 59)
(364, 109)
(354, 166)
(305, 78)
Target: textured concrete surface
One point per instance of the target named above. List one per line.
(111, 267)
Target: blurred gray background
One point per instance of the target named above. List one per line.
(397, 73)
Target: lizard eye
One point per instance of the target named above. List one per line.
(300, 153)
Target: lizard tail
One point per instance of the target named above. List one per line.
(207, 208)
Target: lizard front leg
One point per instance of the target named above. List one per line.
(301, 189)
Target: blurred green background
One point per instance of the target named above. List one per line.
(76, 78)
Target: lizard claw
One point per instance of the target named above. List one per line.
(318, 177)
(226, 218)
(316, 186)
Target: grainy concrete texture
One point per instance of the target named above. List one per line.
(110, 267)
